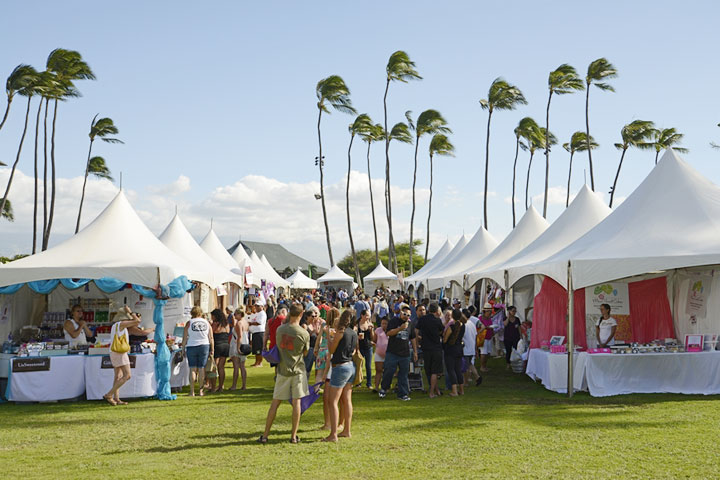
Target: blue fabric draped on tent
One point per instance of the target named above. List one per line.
(175, 289)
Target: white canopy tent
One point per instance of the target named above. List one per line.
(459, 246)
(480, 246)
(335, 278)
(435, 260)
(381, 277)
(272, 274)
(116, 244)
(530, 226)
(672, 220)
(214, 248)
(301, 281)
(177, 238)
(243, 260)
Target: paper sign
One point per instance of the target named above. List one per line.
(36, 364)
(614, 294)
(697, 295)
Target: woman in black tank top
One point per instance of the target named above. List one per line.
(341, 348)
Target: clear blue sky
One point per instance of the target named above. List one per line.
(221, 92)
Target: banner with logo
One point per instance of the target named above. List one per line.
(698, 295)
(613, 293)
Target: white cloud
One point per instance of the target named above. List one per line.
(179, 186)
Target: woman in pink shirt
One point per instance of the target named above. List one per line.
(381, 342)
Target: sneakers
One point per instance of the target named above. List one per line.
(382, 393)
(404, 398)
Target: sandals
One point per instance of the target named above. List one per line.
(295, 439)
(262, 440)
(120, 402)
(110, 400)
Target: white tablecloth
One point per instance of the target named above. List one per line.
(141, 384)
(691, 373)
(551, 369)
(64, 380)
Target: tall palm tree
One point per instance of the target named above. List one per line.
(501, 96)
(99, 128)
(522, 131)
(399, 132)
(68, 66)
(98, 168)
(27, 89)
(428, 122)
(578, 143)
(7, 212)
(17, 80)
(399, 68)
(536, 141)
(330, 92)
(362, 123)
(43, 84)
(374, 134)
(561, 81)
(598, 71)
(439, 145)
(635, 134)
(664, 138)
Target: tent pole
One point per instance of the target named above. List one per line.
(508, 292)
(570, 333)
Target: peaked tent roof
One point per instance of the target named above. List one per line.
(530, 226)
(116, 244)
(177, 238)
(300, 280)
(435, 260)
(583, 213)
(213, 247)
(459, 246)
(335, 275)
(671, 220)
(380, 273)
(479, 247)
(274, 276)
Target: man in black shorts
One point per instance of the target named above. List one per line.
(257, 323)
(429, 329)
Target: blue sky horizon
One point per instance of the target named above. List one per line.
(216, 106)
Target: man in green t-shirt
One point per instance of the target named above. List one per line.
(293, 342)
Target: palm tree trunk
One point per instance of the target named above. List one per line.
(517, 150)
(547, 154)
(322, 191)
(612, 192)
(587, 132)
(51, 214)
(7, 111)
(392, 260)
(427, 242)
(412, 215)
(372, 207)
(82, 197)
(527, 180)
(17, 158)
(35, 184)
(567, 198)
(347, 207)
(487, 167)
(45, 168)
(657, 152)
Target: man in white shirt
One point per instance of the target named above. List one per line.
(605, 328)
(257, 323)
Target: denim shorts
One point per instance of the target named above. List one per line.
(342, 375)
(197, 356)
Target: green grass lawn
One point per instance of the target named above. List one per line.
(507, 428)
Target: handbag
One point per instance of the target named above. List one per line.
(272, 355)
(245, 349)
(119, 342)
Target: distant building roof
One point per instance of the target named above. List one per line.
(279, 257)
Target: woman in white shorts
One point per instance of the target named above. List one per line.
(124, 319)
(239, 338)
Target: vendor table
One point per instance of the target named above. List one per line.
(691, 373)
(62, 379)
(551, 369)
(99, 380)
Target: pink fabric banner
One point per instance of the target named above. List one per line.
(550, 314)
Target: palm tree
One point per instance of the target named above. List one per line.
(428, 122)
(17, 80)
(439, 145)
(98, 168)
(501, 96)
(665, 138)
(634, 134)
(7, 212)
(536, 141)
(374, 134)
(331, 92)
(534, 138)
(523, 130)
(68, 66)
(99, 128)
(44, 83)
(27, 89)
(578, 143)
(362, 123)
(561, 81)
(597, 72)
(399, 68)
